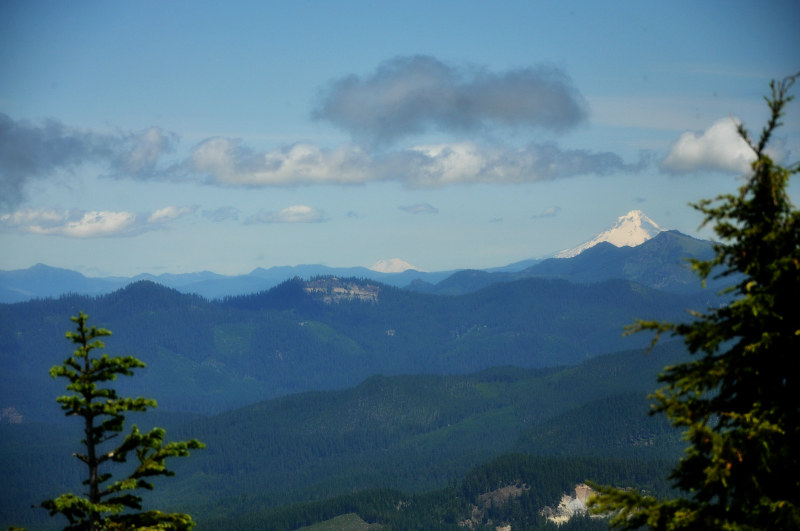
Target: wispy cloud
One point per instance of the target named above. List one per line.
(30, 151)
(139, 154)
(222, 214)
(292, 214)
(169, 213)
(419, 208)
(409, 95)
(549, 212)
(89, 224)
(718, 148)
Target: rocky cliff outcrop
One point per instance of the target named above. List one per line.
(570, 506)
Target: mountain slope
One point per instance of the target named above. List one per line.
(659, 263)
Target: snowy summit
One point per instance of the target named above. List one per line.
(632, 229)
(393, 265)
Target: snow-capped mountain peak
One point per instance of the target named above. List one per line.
(632, 229)
(392, 265)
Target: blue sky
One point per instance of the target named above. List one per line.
(184, 136)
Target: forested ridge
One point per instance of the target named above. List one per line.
(210, 356)
(414, 434)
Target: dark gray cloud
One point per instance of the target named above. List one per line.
(409, 95)
(419, 208)
(30, 151)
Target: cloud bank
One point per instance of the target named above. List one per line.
(33, 152)
(410, 95)
(718, 148)
(225, 162)
(89, 224)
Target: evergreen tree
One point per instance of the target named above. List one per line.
(111, 505)
(738, 400)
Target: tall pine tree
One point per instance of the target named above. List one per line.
(738, 399)
(111, 504)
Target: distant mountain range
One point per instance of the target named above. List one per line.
(42, 281)
(634, 249)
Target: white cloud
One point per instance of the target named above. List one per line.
(443, 164)
(96, 224)
(718, 148)
(228, 162)
(88, 224)
(169, 213)
(72, 224)
(292, 214)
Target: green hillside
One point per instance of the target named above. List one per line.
(414, 434)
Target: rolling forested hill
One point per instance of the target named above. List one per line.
(328, 333)
(409, 434)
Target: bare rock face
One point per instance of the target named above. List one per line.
(333, 290)
(570, 506)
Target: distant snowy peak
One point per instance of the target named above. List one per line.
(392, 265)
(632, 229)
